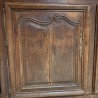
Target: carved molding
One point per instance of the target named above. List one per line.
(53, 18)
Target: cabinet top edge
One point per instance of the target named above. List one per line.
(20, 5)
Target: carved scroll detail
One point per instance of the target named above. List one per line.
(57, 18)
(53, 18)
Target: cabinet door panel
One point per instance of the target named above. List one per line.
(48, 49)
(34, 53)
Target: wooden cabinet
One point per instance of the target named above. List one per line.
(52, 50)
(48, 48)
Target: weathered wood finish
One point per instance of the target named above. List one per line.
(96, 55)
(84, 85)
(57, 1)
(3, 57)
(49, 47)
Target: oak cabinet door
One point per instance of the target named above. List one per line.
(48, 47)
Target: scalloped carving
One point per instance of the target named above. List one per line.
(53, 18)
